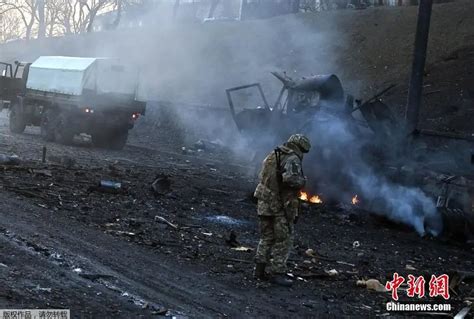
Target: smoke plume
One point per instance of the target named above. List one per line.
(340, 166)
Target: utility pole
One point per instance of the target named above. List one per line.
(415, 93)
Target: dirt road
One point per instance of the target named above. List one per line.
(67, 244)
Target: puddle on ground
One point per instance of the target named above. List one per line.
(226, 220)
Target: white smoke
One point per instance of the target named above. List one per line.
(341, 167)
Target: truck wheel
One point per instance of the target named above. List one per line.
(118, 140)
(48, 125)
(17, 119)
(99, 139)
(63, 133)
(114, 140)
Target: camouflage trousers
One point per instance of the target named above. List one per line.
(276, 240)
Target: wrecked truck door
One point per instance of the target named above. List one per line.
(248, 118)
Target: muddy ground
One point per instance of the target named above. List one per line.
(66, 243)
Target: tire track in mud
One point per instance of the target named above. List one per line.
(124, 272)
(84, 268)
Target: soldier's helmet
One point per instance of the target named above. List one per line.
(301, 141)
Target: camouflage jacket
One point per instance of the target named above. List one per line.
(277, 193)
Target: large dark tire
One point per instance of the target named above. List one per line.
(48, 125)
(114, 140)
(17, 119)
(63, 133)
(99, 140)
(119, 140)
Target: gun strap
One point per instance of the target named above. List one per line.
(279, 173)
(278, 164)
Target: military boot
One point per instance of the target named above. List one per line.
(259, 271)
(281, 280)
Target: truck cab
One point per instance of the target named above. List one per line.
(12, 81)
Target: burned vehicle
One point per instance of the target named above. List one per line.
(302, 102)
(66, 96)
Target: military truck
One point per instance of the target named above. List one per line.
(66, 96)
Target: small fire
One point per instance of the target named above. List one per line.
(315, 199)
(303, 196)
(355, 200)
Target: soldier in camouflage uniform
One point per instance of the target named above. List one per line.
(281, 180)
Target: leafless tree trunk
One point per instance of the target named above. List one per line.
(93, 9)
(54, 9)
(29, 22)
(90, 24)
(118, 17)
(41, 19)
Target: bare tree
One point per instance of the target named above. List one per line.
(93, 7)
(79, 15)
(26, 10)
(9, 26)
(53, 17)
(119, 4)
(41, 19)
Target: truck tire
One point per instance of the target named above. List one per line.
(63, 133)
(114, 140)
(17, 119)
(48, 125)
(99, 140)
(119, 140)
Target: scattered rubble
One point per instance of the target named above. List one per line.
(203, 145)
(109, 186)
(242, 248)
(410, 267)
(310, 253)
(163, 220)
(9, 159)
(64, 160)
(41, 289)
(161, 185)
(332, 272)
(372, 284)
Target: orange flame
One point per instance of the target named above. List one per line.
(315, 199)
(355, 200)
(303, 196)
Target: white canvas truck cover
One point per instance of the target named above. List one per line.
(71, 75)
